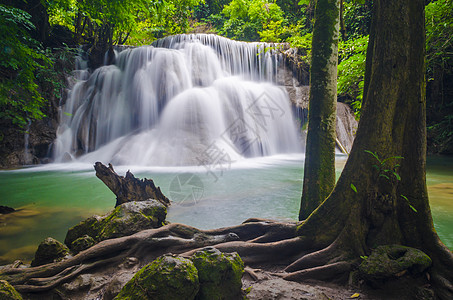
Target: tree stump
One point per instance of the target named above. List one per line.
(129, 188)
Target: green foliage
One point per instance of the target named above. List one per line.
(351, 71)
(439, 36)
(20, 59)
(357, 18)
(353, 188)
(252, 20)
(439, 59)
(385, 168)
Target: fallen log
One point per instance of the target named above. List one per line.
(129, 188)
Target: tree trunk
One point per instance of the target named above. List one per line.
(319, 170)
(377, 203)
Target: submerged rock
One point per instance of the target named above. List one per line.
(126, 219)
(219, 273)
(6, 210)
(167, 277)
(8, 292)
(393, 261)
(50, 250)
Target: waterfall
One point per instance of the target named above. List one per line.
(185, 100)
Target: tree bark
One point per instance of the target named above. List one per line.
(366, 209)
(319, 170)
(129, 188)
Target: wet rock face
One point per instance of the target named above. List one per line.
(8, 292)
(168, 277)
(50, 250)
(126, 219)
(393, 261)
(219, 274)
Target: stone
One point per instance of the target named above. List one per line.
(393, 261)
(220, 274)
(124, 220)
(49, 251)
(82, 243)
(167, 277)
(8, 292)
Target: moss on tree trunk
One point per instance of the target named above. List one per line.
(319, 170)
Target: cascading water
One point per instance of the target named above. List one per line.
(186, 100)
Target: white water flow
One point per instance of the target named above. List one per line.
(186, 100)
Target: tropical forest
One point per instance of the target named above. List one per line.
(226, 149)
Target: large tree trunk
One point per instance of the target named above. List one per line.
(319, 170)
(387, 208)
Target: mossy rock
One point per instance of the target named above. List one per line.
(393, 261)
(82, 243)
(126, 219)
(8, 292)
(167, 277)
(50, 250)
(220, 274)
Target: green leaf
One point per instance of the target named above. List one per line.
(385, 176)
(374, 155)
(407, 200)
(413, 208)
(353, 188)
(67, 114)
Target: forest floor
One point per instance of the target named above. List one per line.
(261, 284)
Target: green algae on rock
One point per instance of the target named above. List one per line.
(392, 261)
(50, 250)
(8, 292)
(167, 277)
(82, 243)
(219, 273)
(126, 219)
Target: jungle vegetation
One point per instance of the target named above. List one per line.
(38, 35)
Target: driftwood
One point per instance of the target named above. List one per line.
(129, 188)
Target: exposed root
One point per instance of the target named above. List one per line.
(336, 272)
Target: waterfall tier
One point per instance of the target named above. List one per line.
(185, 100)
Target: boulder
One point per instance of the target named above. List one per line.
(220, 274)
(126, 219)
(393, 261)
(50, 250)
(8, 292)
(167, 277)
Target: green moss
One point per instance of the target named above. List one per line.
(125, 219)
(8, 292)
(49, 250)
(391, 260)
(167, 277)
(220, 274)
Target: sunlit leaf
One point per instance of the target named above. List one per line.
(353, 188)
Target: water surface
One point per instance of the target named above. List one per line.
(53, 198)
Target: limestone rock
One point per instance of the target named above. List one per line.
(50, 250)
(167, 277)
(126, 219)
(393, 261)
(8, 292)
(219, 273)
